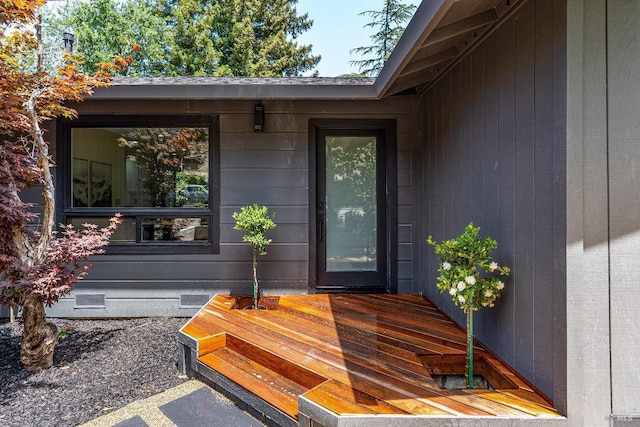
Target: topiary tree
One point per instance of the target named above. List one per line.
(465, 263)
(37, 264)
(255, 221)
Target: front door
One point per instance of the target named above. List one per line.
(351, 219)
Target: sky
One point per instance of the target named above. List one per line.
(336, 29)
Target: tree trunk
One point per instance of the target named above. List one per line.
(39, 337)
(469, 367)
(255, 279)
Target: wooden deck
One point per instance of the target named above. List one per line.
(352, 355)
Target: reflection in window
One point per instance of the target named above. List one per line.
(351, 203)
(140, 167)
(172, 229)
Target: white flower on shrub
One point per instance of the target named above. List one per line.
(470, 255)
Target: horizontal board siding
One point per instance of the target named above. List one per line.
(230, 270)
(257, 177)
(269, 168)
(490, 144)
(283, 233)
(284, 214)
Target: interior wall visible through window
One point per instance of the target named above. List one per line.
(159, 173)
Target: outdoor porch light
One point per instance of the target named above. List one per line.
(258, 118)
(68, 40)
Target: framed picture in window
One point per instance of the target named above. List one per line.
(80, 183)
(101, 186)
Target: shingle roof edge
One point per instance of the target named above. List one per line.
(329, 88)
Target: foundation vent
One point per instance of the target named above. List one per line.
(193, 301)
(90, 301)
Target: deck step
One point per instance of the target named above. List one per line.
(353, 355)
(345, 400)
(264, 374)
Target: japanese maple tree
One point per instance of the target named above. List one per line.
(38, 264)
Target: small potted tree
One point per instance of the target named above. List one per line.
(255, 221)
(465, 272)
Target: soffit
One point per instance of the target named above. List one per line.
(440, 33)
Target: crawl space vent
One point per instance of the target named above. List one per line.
(90, 301)
(193, 301)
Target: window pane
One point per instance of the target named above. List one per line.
(351, 203)
(125, 233)
(140, 167)
(172, 229)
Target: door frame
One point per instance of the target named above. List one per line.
(391, 186)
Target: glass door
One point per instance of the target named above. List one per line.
(351, 218)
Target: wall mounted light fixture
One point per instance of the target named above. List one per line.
(258, 118)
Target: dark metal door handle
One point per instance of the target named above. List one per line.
(320, 227)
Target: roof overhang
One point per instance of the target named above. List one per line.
(439, 34)
(253, 88)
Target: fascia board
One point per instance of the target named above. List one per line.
(424, 21)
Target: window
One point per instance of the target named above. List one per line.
(160, 172)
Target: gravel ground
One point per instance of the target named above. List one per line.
(100, 366)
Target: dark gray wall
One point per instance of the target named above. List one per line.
(269, 168)
(493, 153)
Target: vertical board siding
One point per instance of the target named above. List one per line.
(543, 215)
(270, 168)
(560, 174)
(623, 52)
(523, 273)
(489, 149)
(490, 184)
(505, 235)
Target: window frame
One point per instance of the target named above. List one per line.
(65, 211)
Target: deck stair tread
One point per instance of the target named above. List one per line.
(275, 389)
(316, 357)
(411, 371)
(354, 354)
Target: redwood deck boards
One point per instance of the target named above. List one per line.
(356, 354)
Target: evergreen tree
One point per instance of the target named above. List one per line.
(259, 38)
(193, 27)
(193, 37)
(389, 24)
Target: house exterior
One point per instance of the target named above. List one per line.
(520, 116)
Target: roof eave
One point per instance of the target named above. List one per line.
(424, 21)
(195, 89)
